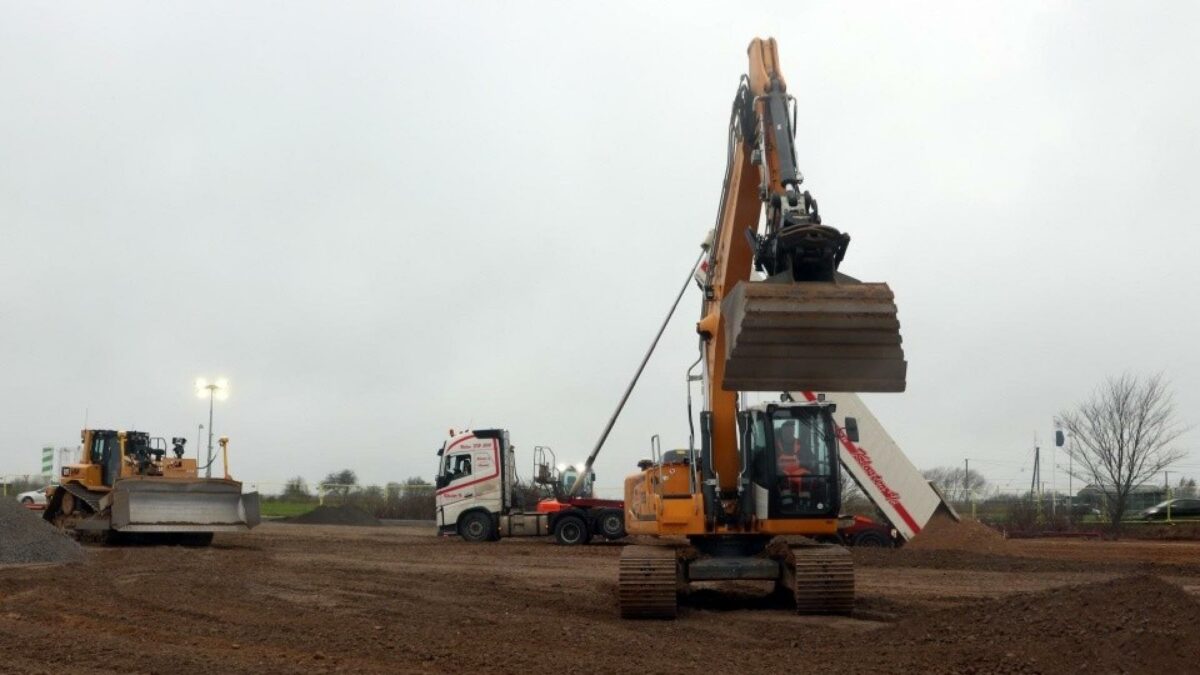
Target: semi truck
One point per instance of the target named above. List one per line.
(478, 495)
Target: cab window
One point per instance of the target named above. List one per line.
(458, 466)
(805, 471)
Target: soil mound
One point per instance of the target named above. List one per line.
(26, 538)
(1129, 624)
(943, 533)
(336, 515)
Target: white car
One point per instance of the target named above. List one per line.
(33, 497)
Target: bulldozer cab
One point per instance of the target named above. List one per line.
(142, 454)
(104, 450)
(791, 460)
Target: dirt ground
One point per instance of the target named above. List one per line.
(301, 598)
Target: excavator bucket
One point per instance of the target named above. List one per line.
(817, 336)
(173, 505)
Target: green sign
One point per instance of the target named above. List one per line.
(47, 461)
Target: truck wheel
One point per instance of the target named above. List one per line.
(571, 531)
(871, 539)
(476, 526)
(612, 524)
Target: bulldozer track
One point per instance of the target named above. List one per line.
(647, 582)
(823, 580)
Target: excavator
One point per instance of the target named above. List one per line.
(128, 487)
(762, 492)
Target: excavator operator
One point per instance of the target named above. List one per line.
(792, 457)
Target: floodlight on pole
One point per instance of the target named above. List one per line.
(215, 391)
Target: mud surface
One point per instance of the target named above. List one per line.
(26, 538)
(1127, 624)
(312, 599)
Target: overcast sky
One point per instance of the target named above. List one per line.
(384, 220)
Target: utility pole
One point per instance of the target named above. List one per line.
(1053, 480)
(1070, 479)
(1036, 479)
(1059, 439)
(208, 457)
(213, 390)
(1035, 487)
(967, 479)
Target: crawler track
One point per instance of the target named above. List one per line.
(647, 582)
(822, 579)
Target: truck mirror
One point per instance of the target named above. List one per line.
(1058, 438)
(852, 429)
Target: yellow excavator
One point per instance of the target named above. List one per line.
(761, 494)
(129, 487)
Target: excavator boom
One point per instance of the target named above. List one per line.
(805, 325)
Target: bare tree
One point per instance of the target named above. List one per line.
(1187, 487)
(296, 489)
(949, 481)
(1122, 437)
(339, 482)
(854, 501)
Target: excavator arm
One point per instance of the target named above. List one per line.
(803, 325)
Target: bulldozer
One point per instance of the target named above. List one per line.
(130, 487)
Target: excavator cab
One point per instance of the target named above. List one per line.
(791, 461)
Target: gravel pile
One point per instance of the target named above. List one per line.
(26, 538)
(336, 515)
(943, 533)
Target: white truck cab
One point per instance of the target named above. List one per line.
(475, 474)
(475, 496)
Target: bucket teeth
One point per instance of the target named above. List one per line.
(817, 336)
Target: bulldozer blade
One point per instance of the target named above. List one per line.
(171, 505)
(815, 336)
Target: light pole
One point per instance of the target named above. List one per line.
(199, 435)
(215, 391)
